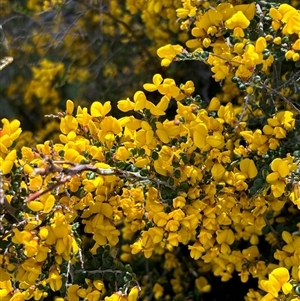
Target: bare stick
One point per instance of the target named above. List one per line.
(5, 62)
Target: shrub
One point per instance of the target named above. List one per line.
(167, 208)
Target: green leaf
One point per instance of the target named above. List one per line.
(90, 175)
(154, 155)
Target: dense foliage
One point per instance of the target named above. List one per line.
(199, 204)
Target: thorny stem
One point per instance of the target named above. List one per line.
(292, 78)
(276, 234)
(247, 99)
(4, 204)
(99, 271)
(5, 62)
(273, 91)
(261, 19)
(78, 168)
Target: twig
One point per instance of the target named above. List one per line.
(75, 169)
(276, 234)
(37, 194)
(99, 271)
(261, 20)
(292, 78)
(247, 101)
(273, 91)
(5, 62)
(4, 204)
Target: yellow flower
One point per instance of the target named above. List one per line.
(68, 124)
(238, 22)
(275, 14)
(278, 279)
(278, 188)
(72, 292)
(114, 297)
(136, 247)
(99, 285)
(168, 88)
(247, 166)
(173, 239)
(225, 238)
(160, 108)
(283, 118)
(186, 112)
(296, 45)
(93, 296)
(260, 44)
(122, 153)
(8, 134)
(199, 136)
(168, 53)
(179, 202)
(287, 15)
(247, 9)
(251, 57)
(18, 296)
(159, 218)
(156, 234)
(157, 80)
(188, 88)
(125, 105)
(109, 127)
(221, 71)
(162, 167)
(145, 136)
(133, 294)
(5, 290)
(39, 294)
(100, 110)
(216, 139)
(55, 279)
(70, 107)
(82, 116)
(196, 250)
(8, 162)
(217, 171)
(186, 10)
(29, 271)
(158, 290)
(214, 104)
(202, 285)
(72, 155)
(130, 122)
(199, 34)
(182, 12)
(280, 169)
(210, 18)
(140, 100)
(46, 203)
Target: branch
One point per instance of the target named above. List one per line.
(273, 91)
(126, 26)
(5, 62)
(261, 20)
(4, 204)
(247, 99)
(99, 271)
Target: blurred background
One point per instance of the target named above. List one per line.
(85, 51)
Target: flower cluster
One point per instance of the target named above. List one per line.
(253, 45)
(188, 181)
(129, 206)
